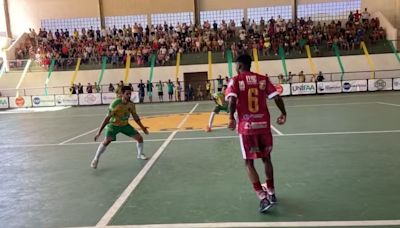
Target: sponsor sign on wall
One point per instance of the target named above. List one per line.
(283, 89)
(4, 102)
(380, 84)
(90, 99)
(329, 87)
(107, 98)
(20, 102)
(43, 101)
(303, 88)
(396, 84)
(354, 86)
(66, 100)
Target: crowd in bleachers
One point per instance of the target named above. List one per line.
(167, 40)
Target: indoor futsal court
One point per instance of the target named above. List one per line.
(336, 164)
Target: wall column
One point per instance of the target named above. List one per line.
(7, 17)
(196, 12)
(101, 12)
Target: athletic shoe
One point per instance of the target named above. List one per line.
(265, 205)
(142, 157)
(94, 163)
(272, 198)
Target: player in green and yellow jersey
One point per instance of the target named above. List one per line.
(116, 122)
(222, 105)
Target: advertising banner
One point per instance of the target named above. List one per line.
(283, 89)
(67, 100)
(303, 88)
(354, 86)
(4, 102)
(20, 102)
(43, 101)
(329, 87)
(90, 99)
(380, 84)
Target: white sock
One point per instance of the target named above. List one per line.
(211, 120)
(139, 149)
(99, 151)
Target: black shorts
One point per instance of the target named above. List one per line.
(160, 94)
(219, 89)
(171, 93)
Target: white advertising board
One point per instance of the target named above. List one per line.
(66, 100)
(90, 99)
(4, 102)
(329, 87)
(283, 89)
(396, 83)
(107, 98)
(354, 86)
(380, 84)
(43, 101)
(303, 88)
(20, 102)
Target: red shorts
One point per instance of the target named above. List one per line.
(256, 146)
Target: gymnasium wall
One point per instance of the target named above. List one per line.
(205, 5)
(389, 8)
(25, 14)
(135, 7)
(273, 68)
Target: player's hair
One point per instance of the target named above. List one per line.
(125, 88)
(245, 59)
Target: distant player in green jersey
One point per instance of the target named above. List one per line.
(116, 122)
(222, 105)
(160, 86)
(170, 87)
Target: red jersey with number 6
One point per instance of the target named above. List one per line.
(252, 90)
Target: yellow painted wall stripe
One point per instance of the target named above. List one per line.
(78, 64)
(257, 65)
(209, 65)
(369, 60)
(21, 79)
(127, 67)
(178, 63)
(310, 61)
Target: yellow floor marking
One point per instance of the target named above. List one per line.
(197, 121)
(200, 121)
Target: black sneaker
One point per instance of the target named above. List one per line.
(272, 198)
(265, 205)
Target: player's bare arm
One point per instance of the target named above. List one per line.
(136, 118)
(279, 103)
(232, 110)
(103, 124)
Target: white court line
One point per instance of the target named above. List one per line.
(268, 224)
(206, 138)
(276, 130)
(72, 139)
(390, 104)
(329, 104)
(135, 182)
(342, 133)
(342, 96)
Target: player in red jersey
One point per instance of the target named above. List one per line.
(247, 95)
